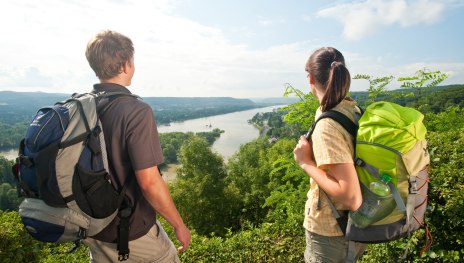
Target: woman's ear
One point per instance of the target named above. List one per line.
(311, 79)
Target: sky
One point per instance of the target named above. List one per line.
(240, 48)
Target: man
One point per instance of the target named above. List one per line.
(133, 151)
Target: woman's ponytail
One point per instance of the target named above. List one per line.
(338, 84)
(327, 67)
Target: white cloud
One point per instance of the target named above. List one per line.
(174, 56)
(270, 22)
(43, 49)
(362, 18)
(26, 77)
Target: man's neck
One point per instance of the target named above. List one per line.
(117, 80)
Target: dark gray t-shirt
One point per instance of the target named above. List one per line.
(133, 144)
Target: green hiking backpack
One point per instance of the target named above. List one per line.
(390, 148)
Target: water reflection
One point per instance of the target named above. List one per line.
(237, 129)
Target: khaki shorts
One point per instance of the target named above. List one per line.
(155, 246)
(322, 249)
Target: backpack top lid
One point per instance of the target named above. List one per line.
(392, 125)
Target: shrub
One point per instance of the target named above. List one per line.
(17, 246)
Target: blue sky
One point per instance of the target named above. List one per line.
(238, 48)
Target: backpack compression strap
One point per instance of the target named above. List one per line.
(104, 102)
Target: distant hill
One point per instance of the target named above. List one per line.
(163, 103)
(22, 106)
(436, 97)
(276, 100)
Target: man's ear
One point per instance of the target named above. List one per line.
(125, 67)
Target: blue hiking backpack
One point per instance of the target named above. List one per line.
(62, 171)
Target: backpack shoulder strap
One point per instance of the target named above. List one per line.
(352, 128)
(107, 98)
(343, 120)
(339, 117)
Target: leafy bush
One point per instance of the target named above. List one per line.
(17, 246)
(267, 243)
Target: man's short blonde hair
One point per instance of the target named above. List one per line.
(107, 52)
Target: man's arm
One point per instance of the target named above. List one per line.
(154, 189)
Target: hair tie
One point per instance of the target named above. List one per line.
(332, 64)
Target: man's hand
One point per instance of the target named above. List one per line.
(183, 235)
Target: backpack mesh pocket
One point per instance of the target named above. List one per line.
(94, 193)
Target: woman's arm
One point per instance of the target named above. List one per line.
(339, 181)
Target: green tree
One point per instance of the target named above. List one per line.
(422, 80)
(447, 120)
(377, 86)
(300, 114)
(171, 142)
(200, 192)
(9, 200)
(5, 171)
(248, 171)
(289, 184)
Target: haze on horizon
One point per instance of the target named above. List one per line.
(241, 49)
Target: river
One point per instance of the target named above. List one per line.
(9, 154)
(237, 131)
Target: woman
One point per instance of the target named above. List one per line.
(328, 159)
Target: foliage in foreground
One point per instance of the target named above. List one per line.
(271, 242)
(280, 238)
(18, 246)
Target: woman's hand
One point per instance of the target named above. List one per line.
(303, 153)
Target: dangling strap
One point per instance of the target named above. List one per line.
(428, 241)
(342, 219)
(123, 234)
(351, 254)
(335, 212)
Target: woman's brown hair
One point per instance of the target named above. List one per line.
(327, 67)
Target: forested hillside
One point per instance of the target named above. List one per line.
(21, 106)
(250, 209)
(18, 108)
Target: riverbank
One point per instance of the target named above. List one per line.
(9, 153)
(169, 172)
